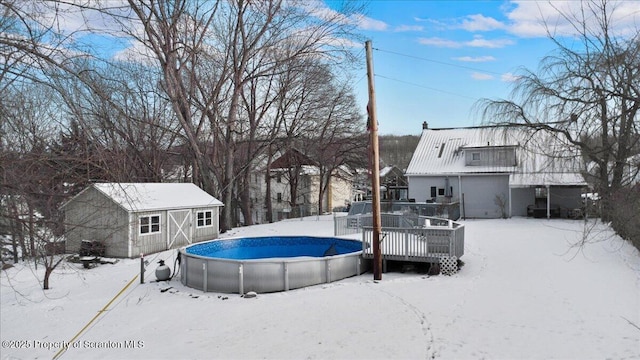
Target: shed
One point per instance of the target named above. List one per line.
(134, 218)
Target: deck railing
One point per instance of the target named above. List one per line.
(415, 244)
(353, 224)
(406, 238)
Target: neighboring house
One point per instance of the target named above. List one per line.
(497, 172)
(393, 184)
(307, 172)
(134, 218)
(632, 170)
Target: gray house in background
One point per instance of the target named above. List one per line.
(497, 172)
(134, 218)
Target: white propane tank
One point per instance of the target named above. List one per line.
(163, 272)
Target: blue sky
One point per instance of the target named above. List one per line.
(433, 60)
(436, 59)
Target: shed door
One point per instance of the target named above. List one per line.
(179, 228)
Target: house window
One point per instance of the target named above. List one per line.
(204, 218)
(279, 198)
(278, 178)
(441, 191)
(149, 224)
(475, 156)
(434, 191)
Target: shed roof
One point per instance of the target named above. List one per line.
(157, 196)
(542, 159)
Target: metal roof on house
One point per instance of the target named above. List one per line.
(157, 196)
(541, 159)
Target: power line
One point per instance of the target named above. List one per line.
(425, 87)
(438, 62)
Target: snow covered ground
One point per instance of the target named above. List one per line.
(525, 292)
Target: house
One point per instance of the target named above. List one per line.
(295, 167)
(497, 172)
(134, 218)
(393, 183)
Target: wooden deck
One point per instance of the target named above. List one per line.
(406, 237)
(427, 244)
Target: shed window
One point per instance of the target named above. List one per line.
(204, 218)
(149, 224)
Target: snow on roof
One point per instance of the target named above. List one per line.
(385, 170)
(541, 159)
(440, 151)
(157, 196)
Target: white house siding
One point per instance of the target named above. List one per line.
(341, 193)
(480, 193)
(420, 187)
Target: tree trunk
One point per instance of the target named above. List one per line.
(47, 274)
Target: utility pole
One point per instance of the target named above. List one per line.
(374, 167)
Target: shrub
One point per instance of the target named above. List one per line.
(625, 218)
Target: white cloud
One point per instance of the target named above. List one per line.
(367, 23)
(478, 41)
(533, 18)
(509, 77)
(481, 76)
(475, 59)
(439, 42)
(479, 22)
(320, 10)
(403, 28)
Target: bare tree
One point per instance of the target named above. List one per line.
(586, 92)
(339, 143)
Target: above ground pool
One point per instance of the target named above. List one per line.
(268, 264)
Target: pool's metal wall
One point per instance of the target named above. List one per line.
(262, 276)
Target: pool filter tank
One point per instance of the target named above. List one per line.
(163, 272)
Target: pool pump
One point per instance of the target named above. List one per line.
(163, 272)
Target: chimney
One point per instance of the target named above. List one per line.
(425, 125)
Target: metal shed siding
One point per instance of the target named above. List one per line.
(92, 216)
(480, 194)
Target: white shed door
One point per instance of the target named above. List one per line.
(179, 232)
